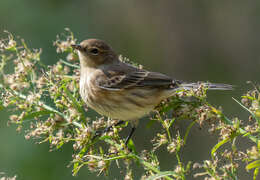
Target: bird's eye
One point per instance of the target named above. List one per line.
(94, 51)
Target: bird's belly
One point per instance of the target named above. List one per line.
(120, 104)
(121, 107)
(123, 113)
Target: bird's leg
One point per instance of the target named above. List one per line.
(109, 128)
(130, 135)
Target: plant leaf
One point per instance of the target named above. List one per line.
(36, 114)
(162, 174)
(255, 164)
(215, 148)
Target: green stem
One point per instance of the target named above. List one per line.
(69, 64)
(149, 166)
(180, 164)
(188, 131)
(131, 155)
(166, 128)
(49, 108)
(258, 121)
(229, 122)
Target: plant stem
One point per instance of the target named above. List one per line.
(49, 108)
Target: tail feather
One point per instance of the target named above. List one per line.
(210, 86)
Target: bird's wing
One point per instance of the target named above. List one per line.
(135, 78)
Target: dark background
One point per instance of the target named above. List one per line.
(203, 40)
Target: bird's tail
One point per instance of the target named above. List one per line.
(210, 86)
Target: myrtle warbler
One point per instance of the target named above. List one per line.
(119, 90)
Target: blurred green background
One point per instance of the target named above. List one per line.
(203, 40)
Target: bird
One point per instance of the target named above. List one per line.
(121, 91)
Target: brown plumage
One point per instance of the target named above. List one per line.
(122, 91)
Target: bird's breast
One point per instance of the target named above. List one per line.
(123, 104)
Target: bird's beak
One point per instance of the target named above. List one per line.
(77, 46)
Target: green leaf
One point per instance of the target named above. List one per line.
(75, 102)
(162, 174)
(1, 105)
(248, 97)
(36, 114)
(215, 148)
(11, 48)
(256, 118)
(188, 131)
(69, 64)
(108, 140)
(256, 171)
(171, 122)
(255, 164)
(76, 168)
(60, 145)
(131, 146)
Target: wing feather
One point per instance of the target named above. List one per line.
(138, 78)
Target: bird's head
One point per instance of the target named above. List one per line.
(94, 52)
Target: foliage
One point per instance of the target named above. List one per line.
(3, 177)
(45, 101)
